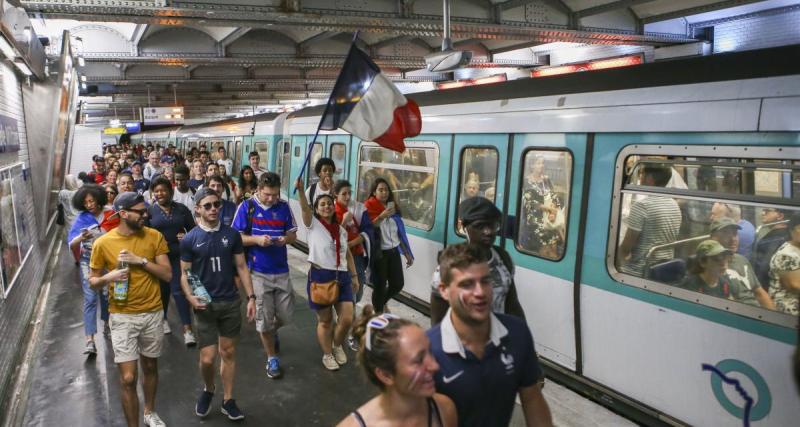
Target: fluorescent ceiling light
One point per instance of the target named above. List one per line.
(81, 61)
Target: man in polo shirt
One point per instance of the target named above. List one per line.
(136, 321)
(267, 226)
(485, 359)
(213, 252)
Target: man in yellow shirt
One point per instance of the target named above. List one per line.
(136, 321)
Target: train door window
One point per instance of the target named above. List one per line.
(237, 157)
(283, 163)
(339, 156)
(316, 154)
(411, 175)
(710, 229)
(478, 174)
(544, 203)
(262, 148)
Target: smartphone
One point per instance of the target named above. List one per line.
(390, 205)
(275, 239)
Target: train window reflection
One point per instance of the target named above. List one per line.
(411, 174)
(478, 173)
(262, 148)
(339, 156)
(283, 163)
(316, 154)
(544, 203)
(734, 245)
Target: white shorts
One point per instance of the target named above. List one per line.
(136, 334)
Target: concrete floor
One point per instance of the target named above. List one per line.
(68, 389)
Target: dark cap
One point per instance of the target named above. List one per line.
(127, 200)
(711, 248)
(724, 222)
(167, 159)
(136, 162)
(478, 209)
(202, 193)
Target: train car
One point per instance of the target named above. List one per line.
(163, 136)
(566, 158)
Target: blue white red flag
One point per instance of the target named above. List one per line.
(367, 104)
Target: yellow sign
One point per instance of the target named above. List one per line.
(115, 131)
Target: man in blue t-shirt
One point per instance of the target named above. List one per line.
(213, 251)
(485, 359)
(267, 226)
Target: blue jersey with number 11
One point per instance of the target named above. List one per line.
(212, 256)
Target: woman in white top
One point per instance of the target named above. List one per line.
(331, 261)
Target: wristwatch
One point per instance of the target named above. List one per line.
(252, 296)
(144, 262)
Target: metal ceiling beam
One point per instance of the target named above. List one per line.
(514, 47)
(557, 4)
(182, 14)
(388, 42)
(232, 37)
(313, 61)
(267, 81)
(608, 7)
(325, 35)
(696, 10)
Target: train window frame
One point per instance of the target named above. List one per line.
(460, 181)
(263, 160)
(428, 144)
(283, 160)
(520, 186)
(311, 175)
(703, 151)
(344, 161)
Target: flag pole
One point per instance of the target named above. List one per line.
(324, 113)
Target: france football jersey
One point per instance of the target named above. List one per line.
(274, 221)
(211, 252)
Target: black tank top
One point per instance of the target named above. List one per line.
(433, 411)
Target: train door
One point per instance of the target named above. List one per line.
(480, 170)
(337, 150)
(297, 155)
(545, 193)
(235, 153)
(316, 153)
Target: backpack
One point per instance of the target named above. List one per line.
(251, 210)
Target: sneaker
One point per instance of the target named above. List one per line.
(230, 409)
(329, 362)
(339, 355)
(90, 348)
(189, 339)
(203, 405)
(167, 330)
(153, 420)
(273, 368)
(352, 342)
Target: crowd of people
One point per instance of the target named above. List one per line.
(149, 224)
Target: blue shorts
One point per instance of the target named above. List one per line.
(322, 275)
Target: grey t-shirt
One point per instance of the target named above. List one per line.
(743, 280)
(658, 220)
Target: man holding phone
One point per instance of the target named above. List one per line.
(267, 226)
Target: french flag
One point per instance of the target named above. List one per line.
(367, 104)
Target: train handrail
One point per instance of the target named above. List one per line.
(769, 224)
(674, 244)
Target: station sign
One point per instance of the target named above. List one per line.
(115, 131)
(163, 115)
(133, 127)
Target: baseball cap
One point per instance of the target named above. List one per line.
(167, 159)
(127, 200)
(202, 194)
(478, 209)
(711, 248)
(719, 224)
(136, 162)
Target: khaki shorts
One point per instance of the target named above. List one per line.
(136, 334)
(274, 300)
(219, 319)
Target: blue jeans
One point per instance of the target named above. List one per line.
(90, 298)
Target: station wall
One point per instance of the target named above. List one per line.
(777, 27)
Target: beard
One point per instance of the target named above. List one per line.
(133, 225)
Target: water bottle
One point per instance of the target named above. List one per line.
(121, 286)
(198, 289)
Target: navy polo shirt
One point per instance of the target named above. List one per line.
(179, 220)
(484, 390)
(274, 221)
(141, 185)
(194, 184)
(211, 252)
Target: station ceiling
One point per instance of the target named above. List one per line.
(222, 58)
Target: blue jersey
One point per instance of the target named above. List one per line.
(141, 185)
(194, 184)
(274, 221)
(484, 390)
(227, 212)
(212, 256)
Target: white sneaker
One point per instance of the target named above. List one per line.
(153, 420)
(189, 339)
(330, 362)
(339, 355)
(167, 330)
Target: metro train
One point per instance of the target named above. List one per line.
(727, 125)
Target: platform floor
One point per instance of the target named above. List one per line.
(68, 389)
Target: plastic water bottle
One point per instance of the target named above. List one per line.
(121, 287)
(198, 289)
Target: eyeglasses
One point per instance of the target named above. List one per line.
(378, 322)
(141, 212)
(111, 192)
(208, 206)
(493, 227)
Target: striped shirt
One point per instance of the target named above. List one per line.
(658, 220)
(274, 221)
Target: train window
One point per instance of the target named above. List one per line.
(544, 203)
(713, 230)
(237, 157)
(412, 176)
(478, 174)
(262, 148)
(339, 156)
(316, 154)
(283, 163)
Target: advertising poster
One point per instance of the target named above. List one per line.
(9, 135)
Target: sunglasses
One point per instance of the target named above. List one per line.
(208, 206)
(111, 192)
(378, 322)
(138, 211)
(485, 226)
